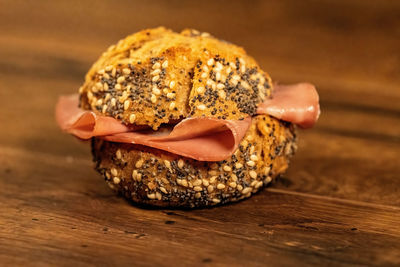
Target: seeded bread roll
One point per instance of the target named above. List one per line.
(159, 178)
(156, 76)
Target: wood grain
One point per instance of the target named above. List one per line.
(338, 204)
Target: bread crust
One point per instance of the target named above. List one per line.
(156, 75)
(151, 176)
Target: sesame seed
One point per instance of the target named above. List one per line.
(250, 137)
(205, 68)
(218, 76)
(197, 195)
(253, 174)
(99, 85)
(268, 180)
(114, 172)
(165, 91)
(105, 86)
(179, 181)
(253, 157)
(126, 71)
(259, 184)
(127, 103)
(241, 60)
(216, 200)
(181, 163)
(250, 163)
(156, 91)
(197, 182)
(155, 78)
(172, 84)
(118, 154)
(201, 107)
(111, 185)
(99, 102)
(170, 95)
(221, 94)
(104, 109)
(204, 75)
(165, 64)
(243, 69)
(200, 89)
(220, 186)
(252, 148)
(210, 82)
(89, 95)
(153, 98)
(139, 163)
(210, 188)
(238, 165)
(205, 182)
(134, 174)
(113, 102)
(167, 164)
(155, 72)
(184, 183)
(239, 187)
(220, 86)
(121, 79)
(139, 177)
(234, 177)
(267, 170)
(212, 179)
(253, 183)
(151, 196)
(132, 118)
(171, 106)
(157, 65)
(108, 68)
(118, 86)
(162, 189)
(246, 190)
(164, 180)
(116, 180)
(233, 184)
(218, 66)
(210, 62)
(197, 188)
(227, 168)
(158, 196)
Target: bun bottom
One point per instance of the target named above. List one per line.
(158, 178)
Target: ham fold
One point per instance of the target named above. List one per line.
(203, 139)
(297, 103)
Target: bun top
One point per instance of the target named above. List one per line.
(156, 76)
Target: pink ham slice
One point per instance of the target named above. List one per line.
(298, 103)
(203, 139)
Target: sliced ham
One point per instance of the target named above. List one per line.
(297, 103)
(204, 139)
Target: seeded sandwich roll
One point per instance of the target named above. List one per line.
(157, 76)
(159, 178)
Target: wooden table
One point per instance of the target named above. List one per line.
(339, 203)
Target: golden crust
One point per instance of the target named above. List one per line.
(156, 75)
(159, 178)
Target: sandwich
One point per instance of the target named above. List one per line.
(185, 119)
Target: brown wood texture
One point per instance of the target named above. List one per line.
(338, 204)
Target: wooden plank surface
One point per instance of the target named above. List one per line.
(338, 204)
